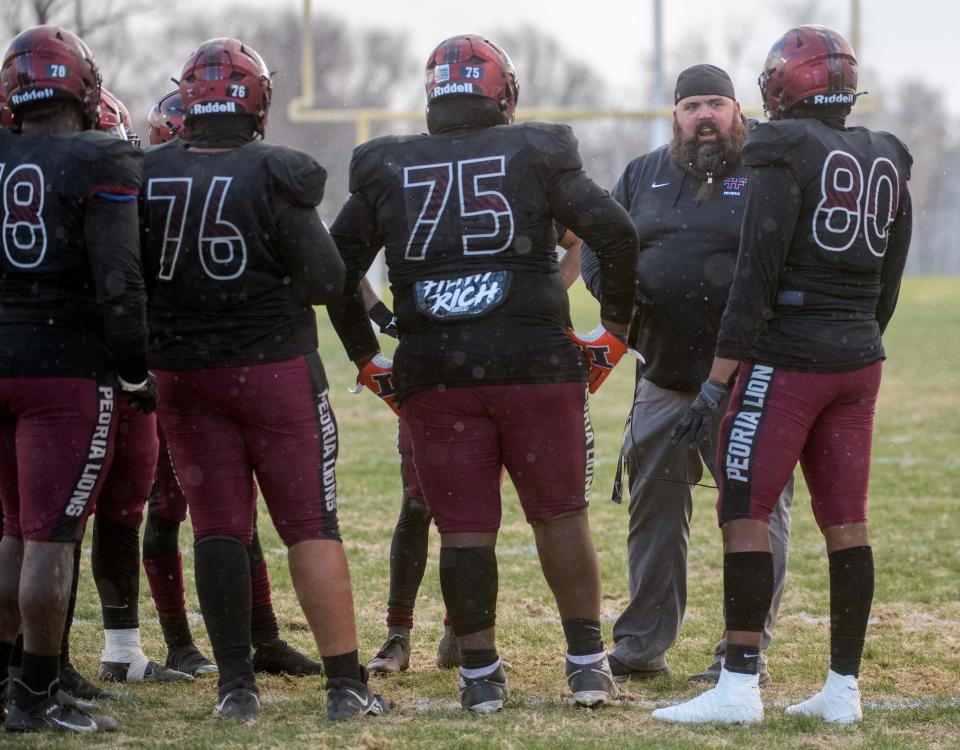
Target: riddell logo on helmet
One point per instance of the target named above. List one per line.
(213, 108)
(452, 88)
(31, 96)
(841, 98)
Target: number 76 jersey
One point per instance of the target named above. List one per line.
(216, 273)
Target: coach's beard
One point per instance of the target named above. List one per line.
(708, 160)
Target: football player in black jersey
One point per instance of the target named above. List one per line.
(74, 331)
(485, 373)
(167, 509)
(408, 548)
(235, 257)
(116, 527)
(825, 236)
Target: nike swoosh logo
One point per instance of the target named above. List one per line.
(656, 184)
(365, 702)
(116, 606)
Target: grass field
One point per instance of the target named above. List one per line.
(911, 676)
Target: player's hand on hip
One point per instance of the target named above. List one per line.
(377, 375)
(697, 425)
(144, 396)
(602, 350)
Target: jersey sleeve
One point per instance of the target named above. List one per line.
(767, 145)
(358, 238)
(113, 167)
(111, 234)
(556, 145)
(297, 176)
(769, 220)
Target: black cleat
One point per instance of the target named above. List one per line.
(592, 684)
(239, 703)
(29, 711)
(484, 695)
(119, 672)
(77, 686)
(448, 650)
(393, 657)
(648, 671)
(352, 699)
(279, 657)
(189, 660)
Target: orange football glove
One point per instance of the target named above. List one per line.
(377, 375)
(602, 350)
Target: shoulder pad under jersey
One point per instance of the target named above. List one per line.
(108, 161)
(900, 148)
(772, 143)
(296, 175)
(367, 158)
(555, 142)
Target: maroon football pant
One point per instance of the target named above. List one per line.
(131, 474)
(223, 425)
(779, 417)
(464, 437)
(57, 439)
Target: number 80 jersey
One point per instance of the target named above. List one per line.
(825, 236)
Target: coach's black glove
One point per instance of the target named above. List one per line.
(143, 396)
(385, 319)
(697, 424)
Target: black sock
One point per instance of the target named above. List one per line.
(344, 665)
(223, 587)
(408, 558)
(6, 651)
(583, 636)
(263, 625)
(742, 659)
(176, 633)
(71, 606)
(263, 620)
(116, 572)
(851, 595)
(16, 656)
(468, 580)
(39, 671)
(477, 658)
(747, 590)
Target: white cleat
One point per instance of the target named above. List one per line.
(838, 702)
(734, 700)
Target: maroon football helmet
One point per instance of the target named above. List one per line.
(470, 64)
(225, 76)
(166, 119)
(115, 118)
(46, 63)
(6, 116)
(810, 65)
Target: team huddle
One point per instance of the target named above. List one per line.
(160, 357)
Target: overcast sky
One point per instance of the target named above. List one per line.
(899, 40)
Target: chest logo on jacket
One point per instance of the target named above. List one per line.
(734, 185)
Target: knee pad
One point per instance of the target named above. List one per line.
(468, 579)
(415, 511)
(160, 536)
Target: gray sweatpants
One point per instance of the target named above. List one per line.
(660, 508)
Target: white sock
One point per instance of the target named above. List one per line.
(586, 659)
(122, 646)
(480, 671)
